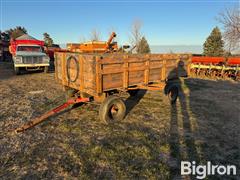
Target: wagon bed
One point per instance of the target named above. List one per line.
(96, 75)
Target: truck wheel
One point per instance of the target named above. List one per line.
(173, 94)
(46, 69)
(17, 70)
(112, 109)
(133, 92)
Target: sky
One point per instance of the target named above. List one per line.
(173, 22)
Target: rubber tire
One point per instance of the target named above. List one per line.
(105, 108)
(133, 92)
(46, 69)
(173, 94)
(17, 70)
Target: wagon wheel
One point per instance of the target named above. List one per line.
(173, 94)
(112, 109)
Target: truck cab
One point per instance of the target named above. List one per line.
(29, 54)
(30, 57)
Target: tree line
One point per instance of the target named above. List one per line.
(18, 31)
(138, 41)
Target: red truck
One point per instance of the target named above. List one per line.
(28, 53)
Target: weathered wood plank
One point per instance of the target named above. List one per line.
(99, 73)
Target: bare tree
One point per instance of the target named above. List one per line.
(136, 35)
(230, 19)
(95, 35)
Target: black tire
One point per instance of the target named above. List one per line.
(173, 94)
(112, 109)
(46, 69)
(133, 92)
(17, 70)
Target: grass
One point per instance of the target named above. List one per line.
(149, 144)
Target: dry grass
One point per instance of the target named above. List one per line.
(148, 144)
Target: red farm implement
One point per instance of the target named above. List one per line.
(221, 67)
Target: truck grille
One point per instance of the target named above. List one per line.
(32, 60)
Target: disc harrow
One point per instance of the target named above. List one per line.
(215, 67)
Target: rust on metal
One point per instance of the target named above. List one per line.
(50, 113)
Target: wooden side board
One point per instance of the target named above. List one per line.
(95, 74)
(76, 71)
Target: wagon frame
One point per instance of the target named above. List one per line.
(101, 77)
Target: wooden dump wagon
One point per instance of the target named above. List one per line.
(103, 77)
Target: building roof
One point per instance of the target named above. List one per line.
(25, 37)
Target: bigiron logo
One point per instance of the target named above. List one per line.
(202, 171)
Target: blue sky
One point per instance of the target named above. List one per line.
(164, 22)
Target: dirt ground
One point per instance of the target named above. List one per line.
(149, 143)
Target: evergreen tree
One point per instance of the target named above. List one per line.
(143, 46)
(5, 36)
(47, 39)
(16, 32)
(214, 44)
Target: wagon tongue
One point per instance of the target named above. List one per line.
(50, 113)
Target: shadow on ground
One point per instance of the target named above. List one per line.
(149, 144)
